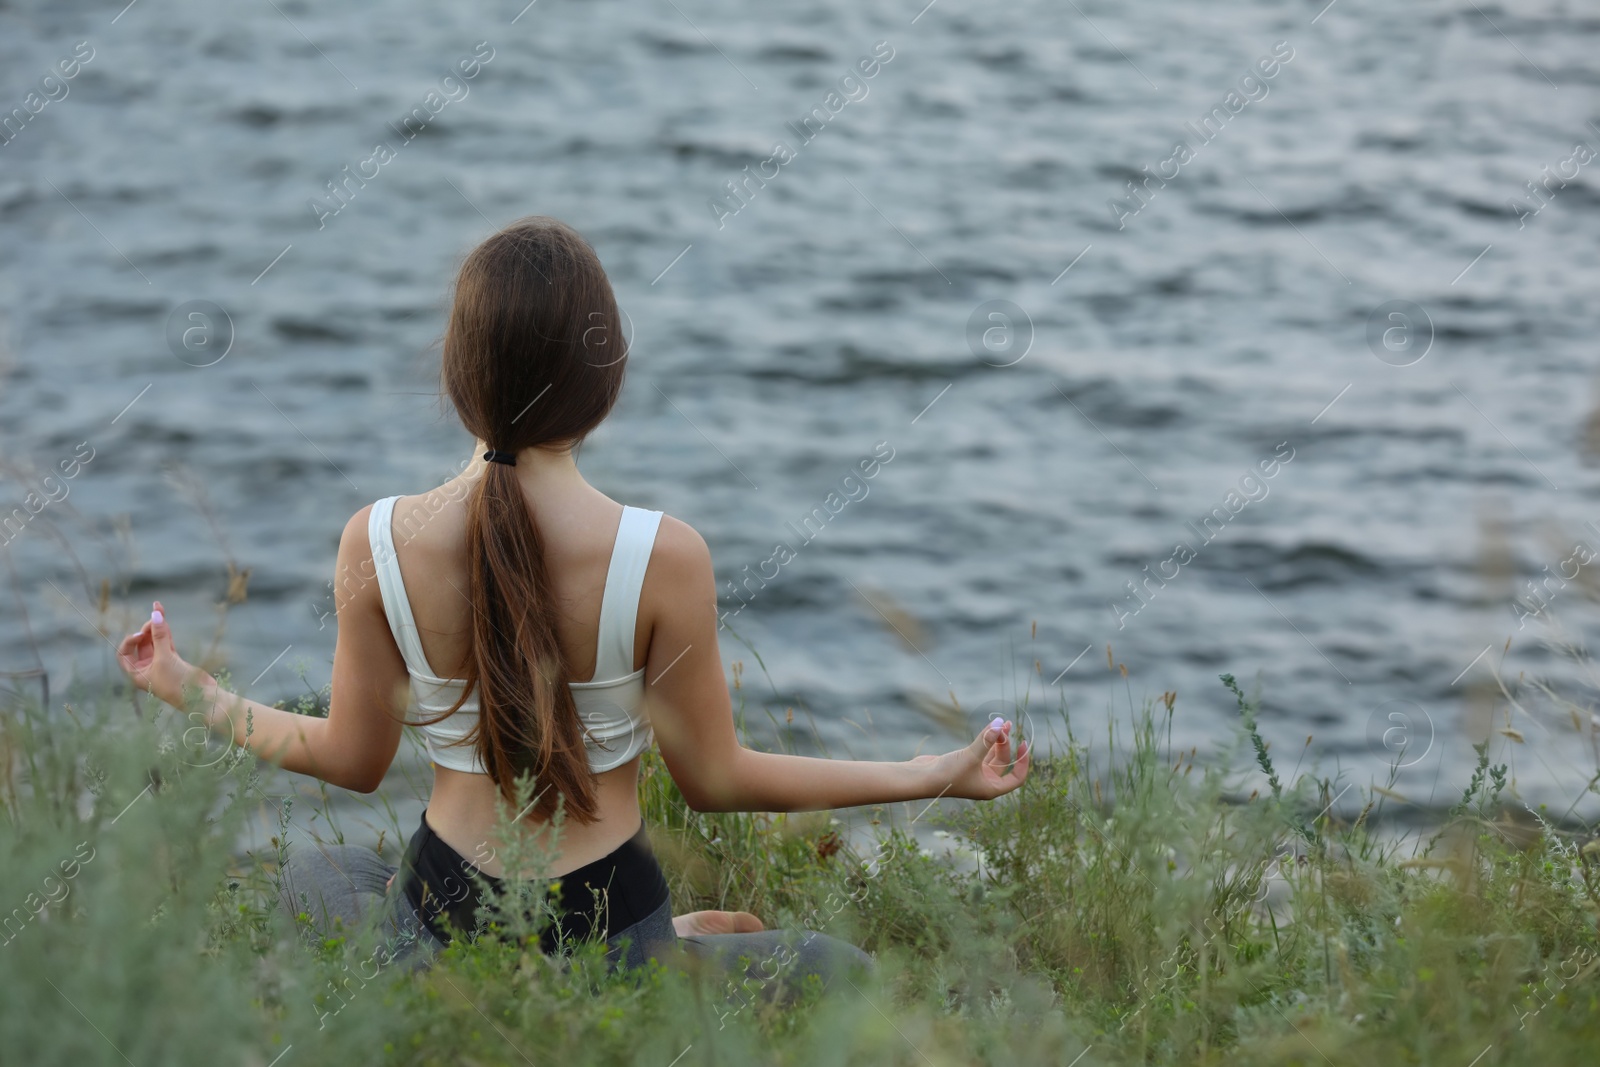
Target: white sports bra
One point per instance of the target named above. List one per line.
(610, 708)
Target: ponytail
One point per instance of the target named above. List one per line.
(527, 719)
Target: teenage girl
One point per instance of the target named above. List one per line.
(531, 624)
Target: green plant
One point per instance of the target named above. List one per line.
(1128, 901)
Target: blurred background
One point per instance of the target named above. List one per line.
(1378, 262)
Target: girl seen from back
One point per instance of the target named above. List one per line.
(527, 624)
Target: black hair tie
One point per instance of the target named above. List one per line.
(495, 456)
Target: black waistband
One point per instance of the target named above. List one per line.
(597, 899)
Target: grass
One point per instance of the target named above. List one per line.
(1141, 909)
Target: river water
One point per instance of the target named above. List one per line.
(1159, 353)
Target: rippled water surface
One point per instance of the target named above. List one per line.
(1223, 326)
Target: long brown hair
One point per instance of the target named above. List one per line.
(533, 355)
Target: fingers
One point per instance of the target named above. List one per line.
(992, 743)
(131, 656)
(159, 630)
(1024, 761)
(133, 639)
(1004, 781)
(996, 741)
(137, 652)
(1003, 771)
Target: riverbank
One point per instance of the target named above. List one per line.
(1135, 912)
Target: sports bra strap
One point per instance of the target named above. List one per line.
(396, 605)
(619, 607)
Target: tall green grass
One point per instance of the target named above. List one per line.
(1135, 909)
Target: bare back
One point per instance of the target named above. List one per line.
(577, 529)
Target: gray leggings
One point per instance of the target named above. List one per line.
(340, 887)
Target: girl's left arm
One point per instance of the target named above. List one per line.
(355, 744)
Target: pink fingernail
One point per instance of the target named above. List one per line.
(156, 616)
(997, 723)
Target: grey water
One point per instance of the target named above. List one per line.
(1172, 326)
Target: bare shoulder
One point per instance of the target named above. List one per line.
(679, 586)
(680, 551)
(355, 567)
(680, 567)
(356, 542)
(434, 518)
